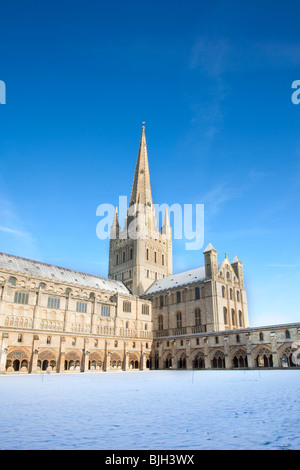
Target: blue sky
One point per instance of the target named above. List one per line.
(212, 81)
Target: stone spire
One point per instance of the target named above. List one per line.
(141, 188)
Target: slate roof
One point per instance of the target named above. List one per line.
(64, 275)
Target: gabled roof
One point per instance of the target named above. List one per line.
(209, 248)
(55, 273)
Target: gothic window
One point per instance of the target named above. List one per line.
(179, 320)
(197, 293)
(237, 338)
(147, 254)
(81, 307)
(92, 295)
(117, 260)
(20, 338)
(105, 310)
(48, 339)
(237, 295)
(160, 322)
(145, 309)
(21, 298)
(197, 317)
(227, 275)
(126, 306)
(12, 281)
(68, 291)
(218, 361)
(217, 340)
(287, 334)
(163, 260)
(131, 253)
(178, 297)
(230, 292)
(155, 257)
(223, 292)
(261, 336)
(54, 302)
(161, 301)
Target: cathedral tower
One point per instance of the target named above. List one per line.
(140, 253)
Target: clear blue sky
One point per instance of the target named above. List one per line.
(212, 80)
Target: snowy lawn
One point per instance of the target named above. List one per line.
(156, 410)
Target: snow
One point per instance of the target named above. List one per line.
(156, 410)
(15, 264)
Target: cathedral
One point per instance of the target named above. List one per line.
(141, 317)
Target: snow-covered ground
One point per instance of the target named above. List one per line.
(156, 410)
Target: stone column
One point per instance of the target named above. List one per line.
(61, 358)
(275, 355)
(189, 364)
(228, 363)
(173, 347)
(34, 355)
(3, 352)
(206, 354)
(250, 358)
(107, 357)
(142, 362)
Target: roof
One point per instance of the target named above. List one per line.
(180, 279)
(209, 248)
(55, 273)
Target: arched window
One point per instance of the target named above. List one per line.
(225, 316)
(240, 318)
(42, 285)
(178, 297)
(230, 293)
(68, 291)
(197, 293)
(161, 301)
(179, 320)
(237, 338)
(287, 334)
(20, 338)
(233, 316)
(223, 292)
(261, 336)
(12, 281)
(92, 295)
(48, 339)
(160, 322)
(238, 295)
